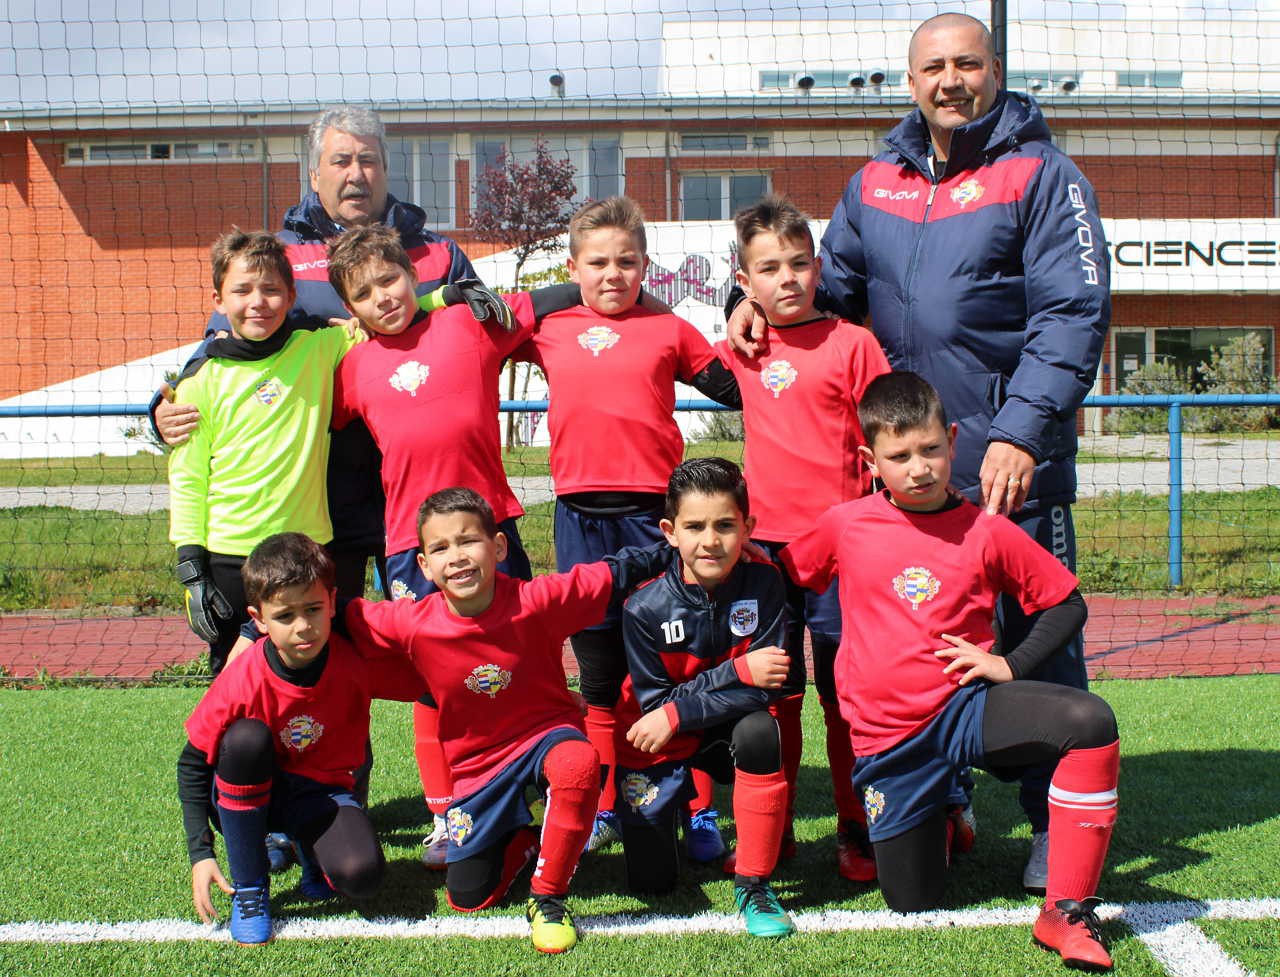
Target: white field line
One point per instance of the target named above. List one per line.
(1166, 928)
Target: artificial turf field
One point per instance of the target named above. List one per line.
(90, 834)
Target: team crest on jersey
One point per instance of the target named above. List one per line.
(744, 617)
(268, 392)
(970, 191)
(917, 585)
(873, 801)
(488, 680)
(597, 338)
(400, 590)
(778, 376)
(301, 732)
(459, 824)
(410, 376)
(638, 790)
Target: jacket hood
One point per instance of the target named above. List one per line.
(309, 220)
(1014, 118)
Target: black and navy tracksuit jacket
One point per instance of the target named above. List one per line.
(684, 649)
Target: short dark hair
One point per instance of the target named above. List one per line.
(260, 250)
(622, 213)
(776, 214)
(897, 402)
(457, 500)
(353, 249)
(706, 476)
(285, 560)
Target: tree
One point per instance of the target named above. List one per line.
(524, 206)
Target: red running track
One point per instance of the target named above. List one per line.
(1124, 638)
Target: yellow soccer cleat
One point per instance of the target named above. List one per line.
(550, 925)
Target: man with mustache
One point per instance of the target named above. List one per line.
(974, 246)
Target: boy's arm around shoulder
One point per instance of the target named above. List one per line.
(390, 670)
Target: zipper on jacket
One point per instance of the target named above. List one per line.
(908, 302)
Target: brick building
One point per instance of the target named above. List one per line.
(108, 213)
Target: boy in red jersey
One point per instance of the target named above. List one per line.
(703, 664)
(920, 570)
(426, 386)
(488, 647)
(275, 741)
(612, 367)
(800, 415)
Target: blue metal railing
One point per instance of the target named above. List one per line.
(1174, 403)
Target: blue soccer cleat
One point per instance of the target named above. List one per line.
(251, 913)
(280, 853)
(702, 836)
(604, 832)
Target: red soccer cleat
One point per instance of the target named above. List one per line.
(854, 858)
(1071, 928)
(962, 829)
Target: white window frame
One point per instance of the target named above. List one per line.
(252, 152)
(416, 182)
(725, 176)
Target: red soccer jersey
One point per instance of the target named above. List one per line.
(430, 398)
(497, 677)
(319, 731)
(906, 579)
(800, 414)
(613, 395)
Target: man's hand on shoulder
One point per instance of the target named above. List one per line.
(175, 422)
(1005, 477)
(746, 330)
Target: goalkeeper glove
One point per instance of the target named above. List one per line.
(205, 604)
(484, 303)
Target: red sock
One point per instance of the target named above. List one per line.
(840, 757)
(433, 768)
(572, 772)
(760, 812)
(787, 711)
(520, 849)
(704, 788)
(1082, 812)
(601, 728)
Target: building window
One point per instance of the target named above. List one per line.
(857, 79)
(420, 171)
(1149, 79)
(1186, 349)
(204, 151)
(597, 160)
(721, 142)
(718, 196)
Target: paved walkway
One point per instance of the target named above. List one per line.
(1124, 639)
(1209, 464)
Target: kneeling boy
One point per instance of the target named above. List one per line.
(702, 653)
(489, 647)
(274, 743)
(920, 570)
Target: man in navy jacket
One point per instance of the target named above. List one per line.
(348, 169)
(975, 248)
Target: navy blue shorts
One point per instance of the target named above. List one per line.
(905, 784)
(656, 795)
(587, 539)
(406, 579)
(296, 801)
(483, 818)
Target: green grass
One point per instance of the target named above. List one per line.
(1255, 943)
(90, 831)
(143, 468)
(1229, 542)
